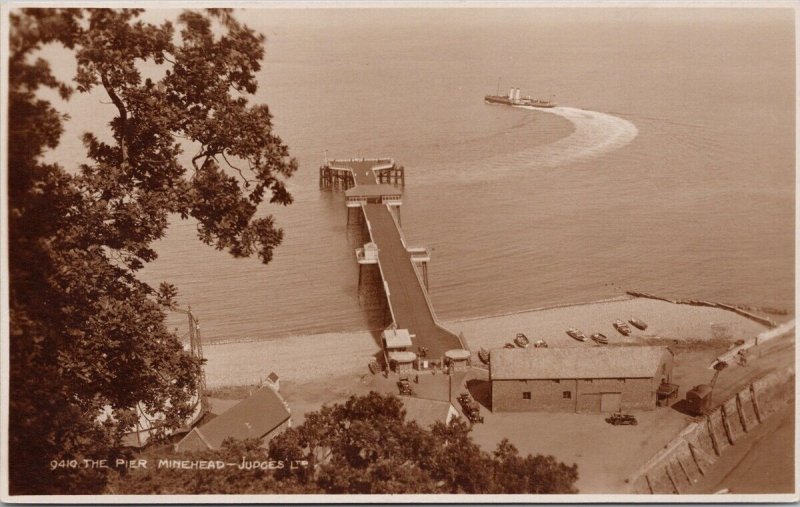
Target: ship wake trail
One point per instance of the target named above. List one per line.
(595, 134)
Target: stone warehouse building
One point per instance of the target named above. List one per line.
(578, 379)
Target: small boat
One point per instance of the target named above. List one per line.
(483, 355)
(540, 344)
(600, 338)
(522, 341)
(622, 327)
(638, 323)
(578, 335)
(509, 346)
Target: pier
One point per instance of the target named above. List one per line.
(403, 268)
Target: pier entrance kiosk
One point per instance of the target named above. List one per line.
(395, 345)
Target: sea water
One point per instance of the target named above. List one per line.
(668, 166)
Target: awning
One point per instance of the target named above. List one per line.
(457, 354)
(402, 356)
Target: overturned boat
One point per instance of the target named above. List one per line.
(638, 323)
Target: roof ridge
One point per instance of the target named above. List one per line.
(203, 437)
(576, 362)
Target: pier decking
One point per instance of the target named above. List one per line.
(407, 296)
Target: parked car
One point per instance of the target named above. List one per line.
(618, 418)
(404, 385)
(470, 407)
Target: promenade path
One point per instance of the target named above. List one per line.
(407, 295)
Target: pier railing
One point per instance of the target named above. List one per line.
(380, 268)
(383, 163)
(422, 284)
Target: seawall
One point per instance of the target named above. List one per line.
(689, 456)
(696, 302)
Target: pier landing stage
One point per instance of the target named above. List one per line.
(407, 296)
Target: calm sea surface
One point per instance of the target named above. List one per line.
(669, 168)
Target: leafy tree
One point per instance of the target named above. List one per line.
(532, 474)
(371, 448)
(86, 334)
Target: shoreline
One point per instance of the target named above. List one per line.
(304, 359)
(541, 308)
(782, 316)
(377, 331)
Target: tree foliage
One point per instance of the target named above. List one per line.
(366, 446)
(86, 334)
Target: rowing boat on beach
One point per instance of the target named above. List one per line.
(622, 327)
(576, 334)
(638, 323)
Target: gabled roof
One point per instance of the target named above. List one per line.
(373, 190)
(426, 412)
(253, 417)
(576, 362)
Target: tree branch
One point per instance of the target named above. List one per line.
(123, 114)
(236, 169)
(197, 157)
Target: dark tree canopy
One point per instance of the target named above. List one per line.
(365, 446)
(86, 333)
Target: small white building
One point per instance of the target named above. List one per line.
(368, 254)
(396, 343)
(273, 380)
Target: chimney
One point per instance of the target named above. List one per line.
(511, 94)
(516, 94)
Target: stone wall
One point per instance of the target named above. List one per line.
(584, 395)
(545, 395)
(689, 456)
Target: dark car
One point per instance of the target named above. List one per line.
(618, 418)
(404, 385)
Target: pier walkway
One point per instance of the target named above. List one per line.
(408, 299)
